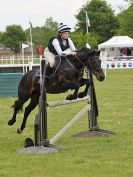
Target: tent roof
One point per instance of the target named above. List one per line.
(117, 41)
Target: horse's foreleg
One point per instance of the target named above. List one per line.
(70, 84)
(17, 106)
(74, 95)
(33, 103)
(83, 82)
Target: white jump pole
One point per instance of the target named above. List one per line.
(64, 102)
(70, 124)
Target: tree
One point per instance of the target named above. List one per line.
(80, 39)
(51, 24)
(12, 37)
(126, 21)
(103, 21)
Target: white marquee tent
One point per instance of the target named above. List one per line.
(111, 49)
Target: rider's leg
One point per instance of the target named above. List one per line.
(50, 57)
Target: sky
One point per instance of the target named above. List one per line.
(20, 12)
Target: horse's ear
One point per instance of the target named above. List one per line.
(98, 53)
(92, 53)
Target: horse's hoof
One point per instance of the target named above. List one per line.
(11, 122)
(81, 95)
(68, 97)
(71, 97)
(19, 131)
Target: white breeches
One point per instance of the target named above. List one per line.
(50, 57)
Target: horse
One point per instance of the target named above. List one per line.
(68, 75)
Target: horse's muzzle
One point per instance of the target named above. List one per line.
(101, 78)
(100, 75)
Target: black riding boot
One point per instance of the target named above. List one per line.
(49, 72)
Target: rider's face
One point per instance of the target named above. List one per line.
(64, 35)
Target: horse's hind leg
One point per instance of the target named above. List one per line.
(33, 103)
(17, 106)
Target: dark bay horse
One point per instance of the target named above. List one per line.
(69, 75)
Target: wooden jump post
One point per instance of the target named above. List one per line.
(40, 125)
(93, 113)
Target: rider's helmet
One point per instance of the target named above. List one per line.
(64, 28)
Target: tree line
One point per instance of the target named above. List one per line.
(104, 25)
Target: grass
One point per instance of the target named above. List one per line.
(87, 157)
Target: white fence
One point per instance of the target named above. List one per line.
(18, 60)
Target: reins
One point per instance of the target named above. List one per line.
(72, 66)
(80, 61)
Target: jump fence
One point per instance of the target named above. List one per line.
(41, 142)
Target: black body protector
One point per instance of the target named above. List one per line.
(51, 48)
(63, 47)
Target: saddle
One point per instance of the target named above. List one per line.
(59, 60)
(51, 72)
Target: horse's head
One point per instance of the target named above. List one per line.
(94, 64)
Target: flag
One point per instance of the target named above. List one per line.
(87, 20)
(31, 41)
(30, 24)
(24, 46)
(40, 49)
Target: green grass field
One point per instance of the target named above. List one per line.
(83, 157)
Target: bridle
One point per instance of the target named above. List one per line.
(93, 70)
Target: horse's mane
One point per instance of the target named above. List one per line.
(84, 51)
(81, 52)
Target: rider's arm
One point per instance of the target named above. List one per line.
(71, 44)
(58, 48)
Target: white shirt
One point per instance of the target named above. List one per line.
(58, 49)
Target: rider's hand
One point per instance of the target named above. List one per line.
(73, 53)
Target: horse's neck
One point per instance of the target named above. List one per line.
(71, 63)
(79, 62)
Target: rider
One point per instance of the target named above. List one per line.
(59, 45)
